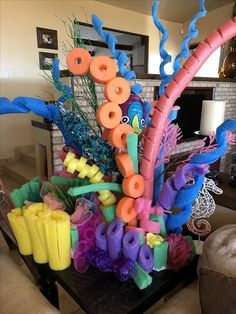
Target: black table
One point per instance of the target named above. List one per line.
(101, 293)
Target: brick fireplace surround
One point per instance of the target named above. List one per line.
(224, 90)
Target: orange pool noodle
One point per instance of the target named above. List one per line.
(125, 209)
(81, 56)
(109, 115)
(103, 69)
(118, 135)
(117, 90)
(124, 164)
(133, 186)
(133, 222)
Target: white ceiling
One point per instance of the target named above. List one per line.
(178, 11)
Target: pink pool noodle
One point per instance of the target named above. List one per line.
(173, 90)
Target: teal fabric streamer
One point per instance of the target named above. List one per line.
(193, 33)
(65, 89)
(120, 56)
(166, 57)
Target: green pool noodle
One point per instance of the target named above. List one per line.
(58, 180)
(74, 235)
(142, 278)
(109, 213)
(160, 255)
(16, 198)
(132, 145)
(24, 191)
(160, 219)
(141, 239)
(94, 188)
(190, 240)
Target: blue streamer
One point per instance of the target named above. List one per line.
(38, 107)
(120, 56)
(211, 157)
(193, 33)
(166, 57)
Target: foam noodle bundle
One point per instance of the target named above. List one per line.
(33, 218)
(56, 227)
(20, 230)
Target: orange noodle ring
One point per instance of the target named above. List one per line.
(109, 115)
(118, 135)
(125, 209)
(103, 69)
(117, 90)
(133, 186)
(124, 164)
(78, 61)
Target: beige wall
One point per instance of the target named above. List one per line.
(20, 74)
(211, 22)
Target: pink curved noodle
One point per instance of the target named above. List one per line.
(172, 92)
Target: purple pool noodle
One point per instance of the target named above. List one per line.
(100, 236)
(131, 243)
(145, 258)
(114, 239)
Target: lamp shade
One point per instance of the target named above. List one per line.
(213, 113)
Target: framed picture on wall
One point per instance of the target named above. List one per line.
(47, 38)
(46, 60)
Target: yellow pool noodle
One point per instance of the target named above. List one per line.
(33, 221)
(93, 173)
(57, 236)
(20, 230)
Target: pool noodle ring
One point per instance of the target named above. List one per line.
(124, 164)
(109, 115)
(118, 136)
(78, 54)
(125, 209)
(102, 69)
(133, 186)
(117, 90)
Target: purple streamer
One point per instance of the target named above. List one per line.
(114, 239)
(145, 258)
(124, 269)
(101, 238)
(131, 243)
(99, 259)
(89, 234)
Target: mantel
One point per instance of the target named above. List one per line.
(146, 76)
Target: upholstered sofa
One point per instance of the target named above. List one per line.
(18, 294)
(217, 272)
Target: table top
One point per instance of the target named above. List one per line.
(99, 292)
(228, 198)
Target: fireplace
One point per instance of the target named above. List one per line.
(189, 115)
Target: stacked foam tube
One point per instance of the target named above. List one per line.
(44, 233)
(119, 243)
(93, 173)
